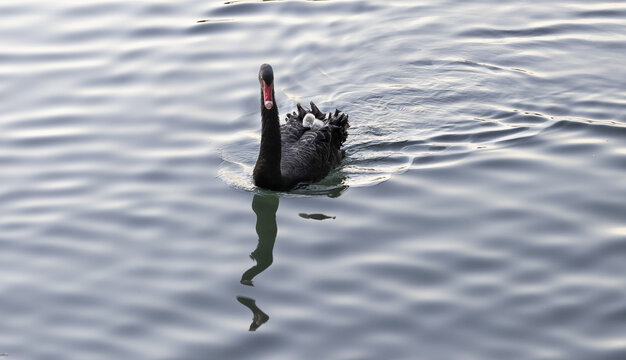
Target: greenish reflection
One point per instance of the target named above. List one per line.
(265, 207)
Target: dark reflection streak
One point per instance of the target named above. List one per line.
(214, 20)
(264, 206)
(315, 216)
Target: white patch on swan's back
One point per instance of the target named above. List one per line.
(309, 121)
(317, 124)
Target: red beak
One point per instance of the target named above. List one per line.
(268, 100)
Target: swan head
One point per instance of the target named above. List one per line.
(266, 79)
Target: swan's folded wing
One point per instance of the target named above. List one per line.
(292, 130)
(308, 155)
(309, 158)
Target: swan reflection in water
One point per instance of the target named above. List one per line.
(265, 207)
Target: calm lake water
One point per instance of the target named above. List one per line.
(480, 212)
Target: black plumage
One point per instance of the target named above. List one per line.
(292, 154)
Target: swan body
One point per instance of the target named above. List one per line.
(304, 149)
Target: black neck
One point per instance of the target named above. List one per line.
(267, 170)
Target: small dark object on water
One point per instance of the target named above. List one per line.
(316, 216)
(293, 154)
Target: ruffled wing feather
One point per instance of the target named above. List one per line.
(308, 155)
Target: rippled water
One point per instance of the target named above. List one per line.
(480, 212)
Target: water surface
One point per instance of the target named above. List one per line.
(479, 213)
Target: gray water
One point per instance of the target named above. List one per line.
(479, 214)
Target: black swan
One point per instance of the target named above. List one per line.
(304, 149)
